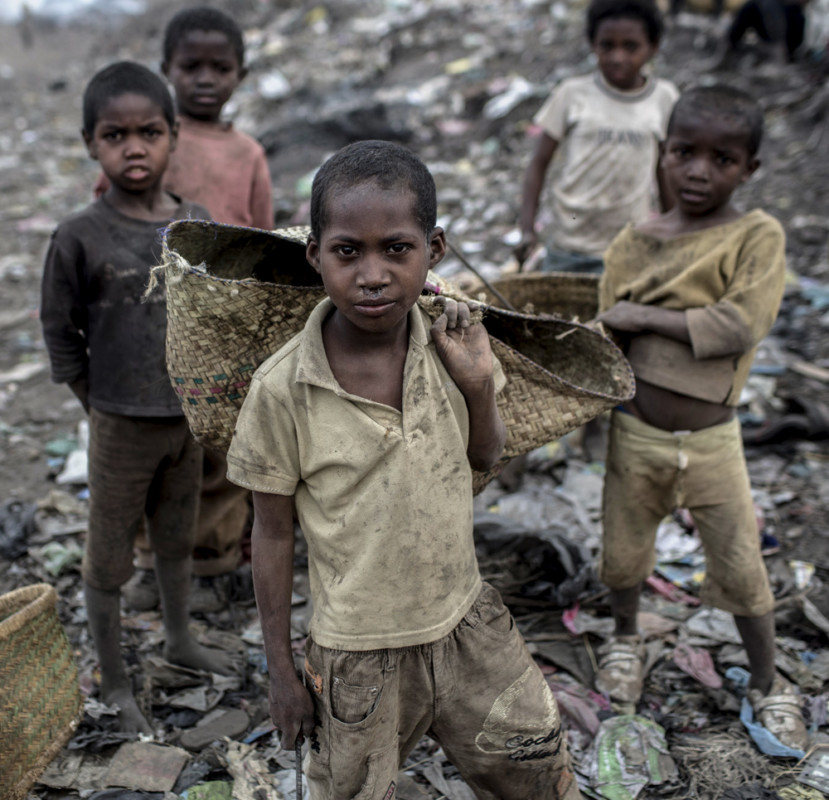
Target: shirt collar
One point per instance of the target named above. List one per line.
(312, 363)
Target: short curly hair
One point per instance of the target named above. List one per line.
(721, 102)
(644, 10)
(388, 165)
(203, 18)
(116, 80)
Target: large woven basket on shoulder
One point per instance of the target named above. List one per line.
(236, 295)
(569, 295)
(40, 701)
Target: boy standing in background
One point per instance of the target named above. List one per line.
(218, 166)
(693, 292)
(607, 126)
(109, 346)
(225, 171)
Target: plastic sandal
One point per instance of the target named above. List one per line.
(621, 670)
(780, 713)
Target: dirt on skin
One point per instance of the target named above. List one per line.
(45, 174)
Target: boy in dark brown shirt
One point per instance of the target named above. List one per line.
(109, 347)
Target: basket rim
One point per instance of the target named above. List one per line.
(285, 234)
(25, 604)
(201, 274)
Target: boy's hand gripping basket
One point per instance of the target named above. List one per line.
(236, 295)
(40, 702)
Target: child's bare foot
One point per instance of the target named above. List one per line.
(193, 655)
(130, 718)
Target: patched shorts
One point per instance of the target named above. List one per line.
(138, 468)
(476, 691)
(650, 472)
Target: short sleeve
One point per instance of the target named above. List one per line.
(670, 94)
(552, 116)
(264, 454)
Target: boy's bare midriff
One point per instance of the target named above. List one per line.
(671, 411)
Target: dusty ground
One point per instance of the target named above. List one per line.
(354, 90)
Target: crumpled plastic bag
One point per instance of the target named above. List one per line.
(765, 740)
(628, 754)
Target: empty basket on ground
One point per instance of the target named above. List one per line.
(236, 295)
(40, 702)
(569, 295)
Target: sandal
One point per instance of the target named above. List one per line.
(779, 712)
(621, 670)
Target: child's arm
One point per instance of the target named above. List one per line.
(272, 557)
(638, 318)
(465, 352)
(545, 149)
(63, 315)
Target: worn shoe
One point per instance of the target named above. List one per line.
(779, 712)
(621, 668)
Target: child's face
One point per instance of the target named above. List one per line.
(204, 71)
(373, 256)
(623, 48)
(705, 158)
(132, 141)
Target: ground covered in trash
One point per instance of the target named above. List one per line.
(458, 81)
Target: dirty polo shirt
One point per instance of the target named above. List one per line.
(728, 280)
(384, 498)
(96, 321)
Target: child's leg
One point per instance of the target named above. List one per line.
(496, 717)
(119, 477)
(735, 576)
(104, 615)
(172, 506)
(757, 634)
(639, 490)
(181, 648)
(364, 728)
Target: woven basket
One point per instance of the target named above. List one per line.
(568, 295)
(236, 295)
(40, 702)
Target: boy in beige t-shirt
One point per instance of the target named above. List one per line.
(604, 129)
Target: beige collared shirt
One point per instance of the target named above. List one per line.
(384, 498)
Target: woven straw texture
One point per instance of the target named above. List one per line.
(567, 295)
(236, 295)
(40, 702)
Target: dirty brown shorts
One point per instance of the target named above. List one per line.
(650, 472)
(476, 691)
(138, 466)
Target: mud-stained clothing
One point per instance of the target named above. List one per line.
(605, 169)
(476, 691)
(649, 473)
(383, 497)
(96, 323)
(139, 468)
(143, 460)
(728, 280)
(404, 640)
